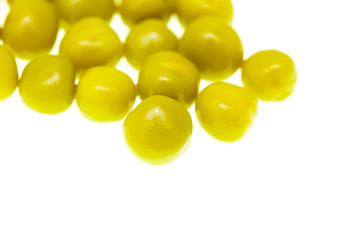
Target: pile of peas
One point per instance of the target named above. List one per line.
(159, 128)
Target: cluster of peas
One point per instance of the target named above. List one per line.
(159, 128)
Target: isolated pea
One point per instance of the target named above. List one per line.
(169, 74)
(226, 111)
(213, 46)
(105, 94)
(189, 10)
(8, 73)
(147, 38)
(158, 130)
(47, 84)
(91, 42)
(135, 11)
(73, 11)
(270, 74)
(31, 27)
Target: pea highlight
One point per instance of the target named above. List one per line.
(8, 73)
(31, 27)
(105, 94)
(147, 38)
(226, 111)
(91, 42)
(158, 130)
(213, 46)
(270, 74)
(47, 84)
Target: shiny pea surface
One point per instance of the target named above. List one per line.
(270, 74)
(105, 94)
(169, 74)
(91, 42)
(31, 27)
(47, 84)
(158, 130)
(226, 111)
(147, 38)
(213, 46)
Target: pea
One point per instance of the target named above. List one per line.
(189, 10)
(270, 74)
(8, 73)
(135, 11)
(147, 38)
(226, 111)
(158, 130)
(169, 74)
(31, 27)
(73, 11)
(213, 46)
(47, 84)
(105, 94)
(91, 42)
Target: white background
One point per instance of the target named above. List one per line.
(296, 175)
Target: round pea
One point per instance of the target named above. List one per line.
(72, 11)
(270, 74)
(189, 10)
(47, 84)
(169, 74)
(31, 27)
(226, 111)
(135, 11)
(8, 73)
(105, 94)
(213, 46)
(158, 130)
(91, 42)
(147, 38)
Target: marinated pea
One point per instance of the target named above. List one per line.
(158, 130)
(47, 84)
(31, 27)
(91, 42)
(270, 74)
(169, 74)
(226, 111)
(105, 94)
(213, 46)
(147, 38)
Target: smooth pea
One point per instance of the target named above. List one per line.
(147, 38)
(213, 46)
(105, 94)
(169, 74)
(31, 27)
(91, 42)
(47, 84)
(226, 111)
(270, 74)
(158, 130)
